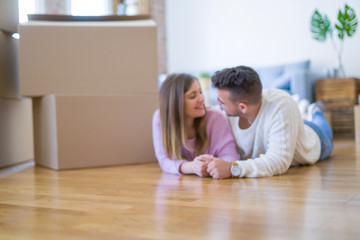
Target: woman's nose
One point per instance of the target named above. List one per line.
(202, 98)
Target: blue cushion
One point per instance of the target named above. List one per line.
(281, 76)
(303, 65)
(282, 82)
(268, 74)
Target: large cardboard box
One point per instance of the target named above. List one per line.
(16, 130)
(9, 80)
(357, 125)
(88, 57)
(9, 15)
(80, 131)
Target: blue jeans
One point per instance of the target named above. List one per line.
(323, 130)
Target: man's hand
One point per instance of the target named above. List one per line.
(205, 158)
(219, 168)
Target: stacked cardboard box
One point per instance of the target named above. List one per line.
(94, 89)
(16, 141)
(339, 95)
(357, 125)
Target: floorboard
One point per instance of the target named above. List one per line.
(140, 202)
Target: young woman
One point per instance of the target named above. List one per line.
(186, 134)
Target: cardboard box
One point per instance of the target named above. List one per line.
(9, 15)
(108, 57)
(81, 131)
(16, 128)
(357, 125)
(9, 80)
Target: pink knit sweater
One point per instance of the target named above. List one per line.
(221, 141)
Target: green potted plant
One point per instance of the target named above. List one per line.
(321, 28)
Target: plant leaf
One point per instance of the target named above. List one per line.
(347, 22)
(320, 26)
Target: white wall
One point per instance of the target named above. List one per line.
(212, 34)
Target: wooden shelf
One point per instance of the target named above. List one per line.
(339, 96)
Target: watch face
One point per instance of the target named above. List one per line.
(235, 170)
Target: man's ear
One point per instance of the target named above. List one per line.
(243, 107)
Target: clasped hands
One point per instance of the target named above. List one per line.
(207, 165)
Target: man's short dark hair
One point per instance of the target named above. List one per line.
(242, 82)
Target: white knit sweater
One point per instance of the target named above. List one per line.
(277, 138)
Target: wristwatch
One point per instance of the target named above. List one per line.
(235, 170)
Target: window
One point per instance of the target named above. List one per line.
(90, 8)
(73, 7)
(26, 7)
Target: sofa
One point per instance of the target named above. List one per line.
(295, 78)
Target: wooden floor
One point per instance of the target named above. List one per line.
(139, 202)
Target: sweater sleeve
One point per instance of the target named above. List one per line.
(166, 164)
(282, 135)
(221, 139)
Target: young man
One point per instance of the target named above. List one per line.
(270, 133)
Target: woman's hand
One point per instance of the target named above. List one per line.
(198, 166)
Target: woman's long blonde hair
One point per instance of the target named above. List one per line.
(173, 131)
